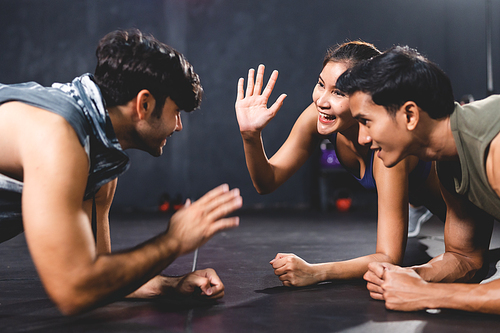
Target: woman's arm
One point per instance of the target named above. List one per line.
(392, 189)
(253, 115)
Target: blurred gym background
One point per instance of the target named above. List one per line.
(54, 40)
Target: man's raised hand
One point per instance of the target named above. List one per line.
(197, 222)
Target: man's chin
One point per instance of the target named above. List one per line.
(390, 163)
(156, 153)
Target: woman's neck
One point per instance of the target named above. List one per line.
(351, 136)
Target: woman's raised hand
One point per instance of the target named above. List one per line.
(251, 107)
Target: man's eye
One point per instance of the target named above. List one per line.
(339, 93)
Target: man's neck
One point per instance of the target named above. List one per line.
(121, 125)
(437, 140)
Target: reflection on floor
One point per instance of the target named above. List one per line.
(255, 301)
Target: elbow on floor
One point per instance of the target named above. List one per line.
(70, 309)
(481, 272)
(263, 189)
(71, 303)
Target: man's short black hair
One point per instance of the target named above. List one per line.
(398, 75)
(129, 61)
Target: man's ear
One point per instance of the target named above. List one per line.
(144, 104)
(412, 114)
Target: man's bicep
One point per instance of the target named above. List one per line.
(57, 229)
(466, 236)
(467, 229)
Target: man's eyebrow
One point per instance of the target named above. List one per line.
(359, 115)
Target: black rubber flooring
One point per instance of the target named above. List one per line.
(254, 301)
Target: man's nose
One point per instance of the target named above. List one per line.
(364, 137)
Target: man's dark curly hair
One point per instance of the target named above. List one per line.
(129, 61)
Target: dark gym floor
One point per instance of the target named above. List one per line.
(255, 301)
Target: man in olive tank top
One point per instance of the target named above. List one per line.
(405, 106)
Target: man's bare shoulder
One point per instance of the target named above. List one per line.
(28, 133)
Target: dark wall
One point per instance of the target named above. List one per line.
(48, 41)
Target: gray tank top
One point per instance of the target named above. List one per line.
(81, 104)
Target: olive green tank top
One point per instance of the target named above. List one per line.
(474, 126)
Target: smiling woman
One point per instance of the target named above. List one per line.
(329, 117)
(332, 104)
